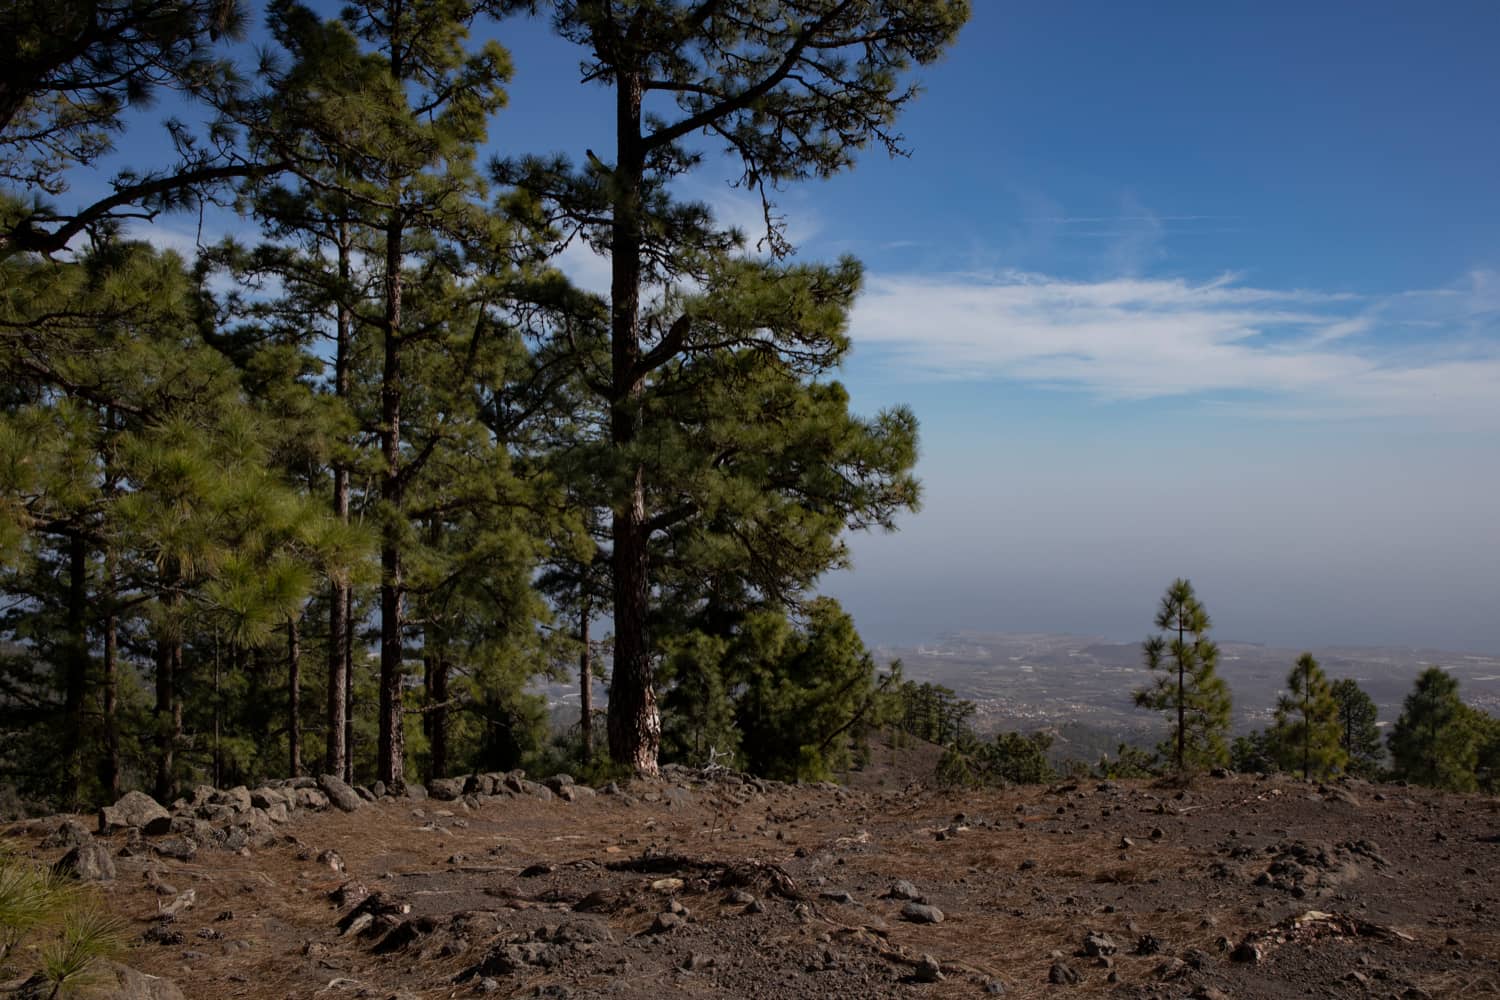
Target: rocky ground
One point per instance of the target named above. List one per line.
(724, 886)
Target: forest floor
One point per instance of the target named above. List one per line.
(1236, 887)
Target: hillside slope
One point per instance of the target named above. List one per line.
(1256, 888)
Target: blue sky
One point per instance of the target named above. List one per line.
(1208, 290)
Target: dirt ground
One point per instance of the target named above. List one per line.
(700, 887)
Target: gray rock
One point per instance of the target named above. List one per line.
(178, 848)
(558, 781)
(928, 970)
(1099, 945)
(89, 862)
(70, 833)
(903, 890)
(125, 983)
(364, 792)
(340, 794)
(236, 798)
(278, 813)
(416, 791)
(265, 798)
(135, 809)
(666, 923)
(446, 789)
(1063, 974)
(921, 913)
(310, 798)
(574, 793)
(378, 789)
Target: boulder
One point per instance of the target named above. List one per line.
(340, 794)
(135, 809)
(921, 913)
(180, 848)
(416, 792)
(70, 833)
(310, 798)
(1099, 945)
(236, 798)
(903, 890)
(928, 970)
(446, 789)
(124, 983)
(266, 797)
(558, 782)
(89, 862)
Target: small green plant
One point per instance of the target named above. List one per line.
(53, 934)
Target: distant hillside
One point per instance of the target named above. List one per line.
(1033, 680)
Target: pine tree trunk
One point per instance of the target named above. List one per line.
(76, 680)
(634, 724)
(586, 684)
(338, 603)
(109, 771)
(1181, 699)
(168, 709)
(109, 776)
(439, 714)
(391, 754)
(349, 685)
(294, 697)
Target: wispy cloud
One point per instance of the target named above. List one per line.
(1296, 352)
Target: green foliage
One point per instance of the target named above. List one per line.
(1188, 689)
(65, 929)
(933, 713)
(1130, 762)
(1008, 759)
(1307, 737)
(1434, 740)
(1359, 735)
(1254, 753)
(1487, 758)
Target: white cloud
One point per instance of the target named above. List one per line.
(1298, 352)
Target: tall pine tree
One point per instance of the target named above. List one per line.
(1307, 734)
(793, 89)
(1189, 689)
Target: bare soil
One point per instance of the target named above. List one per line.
(1254, 887)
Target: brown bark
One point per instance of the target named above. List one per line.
(437, 717)
(109, 773)
(294, 696)
(338, 604)
(168, 709)
(76, 680)
(634, 724)
(586, 683)
(391, 753)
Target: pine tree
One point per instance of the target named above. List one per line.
(378, 117)
(1307, 734)
(793, 89)
(75, 71)
(1189, 689)
(1360, 737)
(1433, 742)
